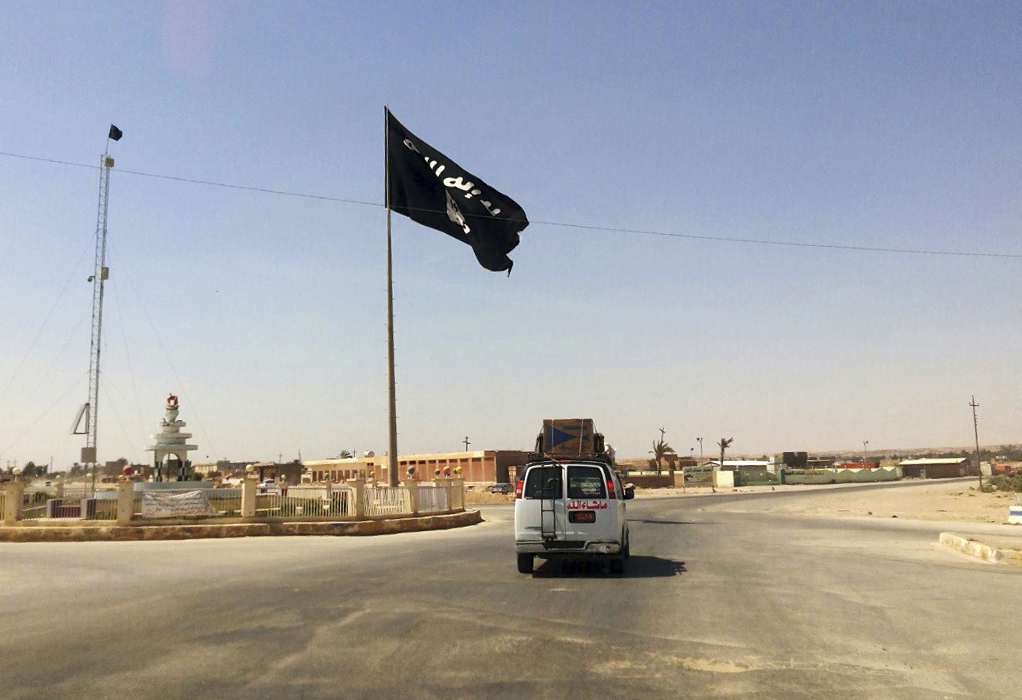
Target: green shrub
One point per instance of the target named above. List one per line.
(1002, 482)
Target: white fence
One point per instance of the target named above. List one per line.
(383, 500)
(305, 502)
(182, 502)
(68, 504)
(458, 497)
(432, 499)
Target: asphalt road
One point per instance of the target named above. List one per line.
(713, 605)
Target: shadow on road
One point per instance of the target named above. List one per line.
(653, 567)
(636, 567)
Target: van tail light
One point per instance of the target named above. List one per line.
(610, 490)
(518, 488)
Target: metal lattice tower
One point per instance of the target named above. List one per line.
(100, 274)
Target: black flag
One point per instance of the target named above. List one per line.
(115, 133)
(431, 189)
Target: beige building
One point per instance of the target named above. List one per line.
(336, 470)
(485, 466)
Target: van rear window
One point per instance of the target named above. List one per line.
(586, 482)
(543, 482)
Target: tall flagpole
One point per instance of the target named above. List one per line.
(392, 475)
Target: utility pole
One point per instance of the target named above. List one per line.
(864, 443)
(975, 431)
(467, 443)
(700, 449)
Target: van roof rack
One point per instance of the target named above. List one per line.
(540, 457)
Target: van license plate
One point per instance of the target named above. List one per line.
(582, 516)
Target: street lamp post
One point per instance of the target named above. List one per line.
(864, 443)
(700, 449)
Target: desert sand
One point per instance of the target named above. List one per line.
(956, 499)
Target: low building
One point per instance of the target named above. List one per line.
(204, 469)
(731, 465)
(484, 466)
(224, 467)
(1007, 468)
(802, 460)
(936, 468)
(282, 473)
(318, 471)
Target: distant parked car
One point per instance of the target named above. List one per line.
(500, 488)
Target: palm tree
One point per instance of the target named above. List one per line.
(723, 444)
(660, 448)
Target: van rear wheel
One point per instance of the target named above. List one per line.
(525, 563)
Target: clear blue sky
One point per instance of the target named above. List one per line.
(855, 125)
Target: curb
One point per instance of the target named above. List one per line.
(979, 550)
(126, 533)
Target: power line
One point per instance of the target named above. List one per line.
(792, 244)
(28, 352)
(166, 355)
(44, 414)
(127, 355)
(194, 181)
(559, 224)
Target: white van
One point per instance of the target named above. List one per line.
(571, 510)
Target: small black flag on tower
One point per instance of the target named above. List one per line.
(431, 189)
(115, 133)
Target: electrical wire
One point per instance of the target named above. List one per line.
(31, 346)
(44, 414)
(112, 402)
(127, 356)
(53, 364)
(173, 369)
(559, 224)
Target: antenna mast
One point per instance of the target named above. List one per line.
(99, 276)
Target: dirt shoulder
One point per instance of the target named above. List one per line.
(915, 500)
(927, 500)
(477, 493)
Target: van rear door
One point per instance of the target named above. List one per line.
(543, 496)
(590, 515)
